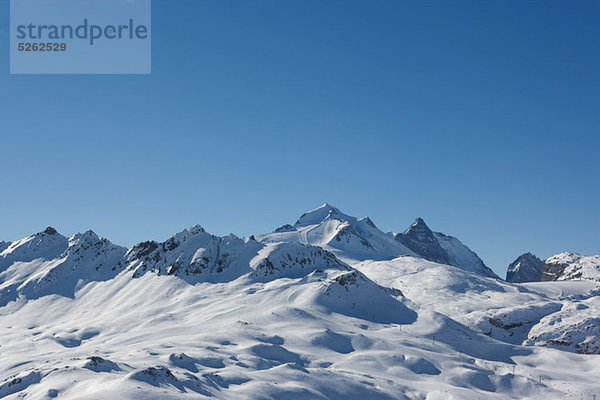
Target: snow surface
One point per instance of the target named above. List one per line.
(576, 266)
(295, 314)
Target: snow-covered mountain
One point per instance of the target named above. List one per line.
(49, 263)
(3, 246)
(328, 308)
(440, 248)
(567, 266)
(560, 267)
(526, 268)
(349, 238)
(358, 239)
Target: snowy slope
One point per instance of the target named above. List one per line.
(49, 263)
(3, 246)
(296, 314)
(349, 238)
(326, 335)
(567, 266)
(510, 313)
(358, 239)
(43, 245)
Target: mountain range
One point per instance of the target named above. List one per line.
(560, 267)
(329, 307)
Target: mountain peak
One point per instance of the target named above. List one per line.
(50, 231)
(418, 225)
(89, 237)
(319, 214)
(565, 257)
(526, 268)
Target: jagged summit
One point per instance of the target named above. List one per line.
(4, 246)
(358, 239)
(46, 244)
(348, 237)
(419, 224)
(420, 239)
(564, 266)
(50, 231)
(569, 266)
(526, 268)
(440, 248)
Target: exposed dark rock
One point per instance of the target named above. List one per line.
(420, 239)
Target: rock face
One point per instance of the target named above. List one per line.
(49, 263)
(349, 238)
(420, 239)
(565, 266)
(526, 268)
(4, 246)
(197, 256)
(440, 248)
(358, 239)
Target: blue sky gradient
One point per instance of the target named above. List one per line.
(481, 117)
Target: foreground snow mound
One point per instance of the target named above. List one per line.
(157, 337)
(576, 327)
(562, 315)
(512, 324)
(353, 294)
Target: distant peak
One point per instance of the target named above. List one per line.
(331, 210)
(188, 233)
(50, 231)
(87, 235)
(319, 214)
(565, 257)
(418, 225)
(368, 221)
(195, 229)
(419, 221)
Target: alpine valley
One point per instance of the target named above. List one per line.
(329, 307)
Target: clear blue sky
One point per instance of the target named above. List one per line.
(481, 117)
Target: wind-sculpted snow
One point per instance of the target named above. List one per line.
(315, 310)
(540, 314)
(576, 327)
